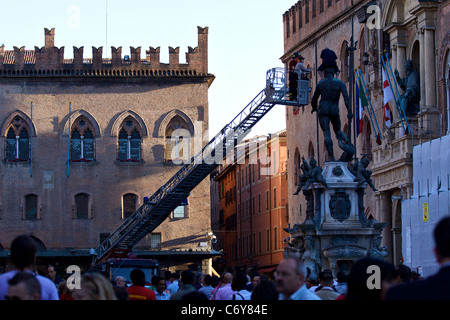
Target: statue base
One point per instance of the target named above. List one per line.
(339, 233)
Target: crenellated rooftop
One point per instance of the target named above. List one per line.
(309, 17)
(49, 60)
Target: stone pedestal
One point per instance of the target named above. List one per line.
(339, 233)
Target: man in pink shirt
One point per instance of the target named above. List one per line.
(225, 292)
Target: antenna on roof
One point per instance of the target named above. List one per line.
(106, 13)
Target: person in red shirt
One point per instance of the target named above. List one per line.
(138, 291)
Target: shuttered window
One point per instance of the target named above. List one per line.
(82, 206)
(31, 207)
(129, 204)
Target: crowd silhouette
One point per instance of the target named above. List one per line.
(291, 281)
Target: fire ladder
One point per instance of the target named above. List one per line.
(169, 196)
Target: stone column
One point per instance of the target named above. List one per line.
(395, 66)
(384, 214)
(422, 71)
(429, 62)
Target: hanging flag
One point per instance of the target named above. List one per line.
(361, 103)
(388, 96)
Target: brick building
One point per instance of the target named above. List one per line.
(252, 207)
(86, 139)
(412, 29)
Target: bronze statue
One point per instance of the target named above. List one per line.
(411, 84)
(346, 146)
(314, 175)
(363, 174)
(303, 176)
(330, 90)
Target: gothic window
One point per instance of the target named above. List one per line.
(362, 50)
(17, 140)
(310, 151)
(307, 11)
(177, 140)
(129, 204)
(314, 8)
(344, 56)
(82, 146)
(367, 139)
(82, 206)
(129, 144)
(297, 164)
(31, 207)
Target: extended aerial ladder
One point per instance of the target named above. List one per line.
(170, 195)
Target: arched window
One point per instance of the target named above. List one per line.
(177, 140)
(362, 51)
(129, 143)
(18, 140)
(297, 164)
(129, 204)
(82, 147)
(344, 57)
(310, 151)
(367, 139)
(82, 206)
(31, 207)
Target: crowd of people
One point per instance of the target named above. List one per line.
(292, 281)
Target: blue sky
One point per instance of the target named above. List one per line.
(245, 39)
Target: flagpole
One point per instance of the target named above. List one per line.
(68, 144)
(31, 142)
(317, 113)
(368, 111)
(370, 102)
(396, 89)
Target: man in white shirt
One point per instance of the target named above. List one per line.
(290, 280)
(174, 287)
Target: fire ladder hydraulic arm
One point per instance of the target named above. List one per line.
(170, 195)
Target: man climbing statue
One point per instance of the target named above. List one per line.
(330, 90)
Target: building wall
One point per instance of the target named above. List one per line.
(255, 215)
(407, 30)
(105, 92)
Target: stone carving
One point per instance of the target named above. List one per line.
(340, 205)
(311, 256)
(376, 251)
(411, 84)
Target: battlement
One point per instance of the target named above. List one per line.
(307, 17)
(49, 60)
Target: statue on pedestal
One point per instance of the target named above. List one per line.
(330, 90)
(363, 174)
(411, 84)
(312, 173)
